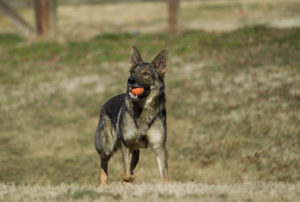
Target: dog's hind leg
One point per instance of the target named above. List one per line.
(103, 171)
(106, 144)
(134, 160)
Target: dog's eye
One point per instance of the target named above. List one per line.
(146, 74)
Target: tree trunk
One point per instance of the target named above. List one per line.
(173, 15)
(22, 26)
(45, 15)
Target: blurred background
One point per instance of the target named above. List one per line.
(85, 19)
(233, 96)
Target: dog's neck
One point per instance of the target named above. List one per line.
(147, 108)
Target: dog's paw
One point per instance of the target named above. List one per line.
(128, 178)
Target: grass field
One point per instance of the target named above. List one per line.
(189, 192)
(233, 110)
(233, 103)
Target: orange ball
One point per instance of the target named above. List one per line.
(137, 91)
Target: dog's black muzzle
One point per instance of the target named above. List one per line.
(131, 81)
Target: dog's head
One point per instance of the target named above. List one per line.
(146, 77)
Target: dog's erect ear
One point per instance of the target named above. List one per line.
(160, 62)
(135, 56)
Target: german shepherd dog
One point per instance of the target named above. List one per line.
(130, 122)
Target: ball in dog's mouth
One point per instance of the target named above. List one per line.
(137, 91)
(134, 92)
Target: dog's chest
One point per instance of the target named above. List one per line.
(135, 129)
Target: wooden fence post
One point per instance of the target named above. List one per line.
(45, 15)
(173, 6)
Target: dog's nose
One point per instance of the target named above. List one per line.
(131, 80)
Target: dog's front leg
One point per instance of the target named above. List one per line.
(126, 156)
(157, 138)
(162, 161)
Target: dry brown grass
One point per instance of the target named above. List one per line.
(273, 192)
